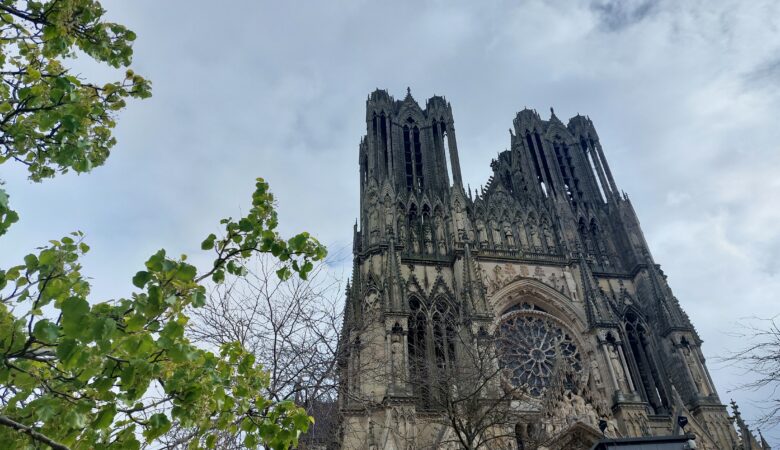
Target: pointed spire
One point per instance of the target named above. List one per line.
(553, 117)
(595, 305)
(668, 311)
(473, 292)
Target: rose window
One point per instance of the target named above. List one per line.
(532, 347)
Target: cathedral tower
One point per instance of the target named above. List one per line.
(545, 270)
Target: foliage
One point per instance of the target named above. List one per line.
(291, 327)
(51, 120)
(98, 375)
(80, 374)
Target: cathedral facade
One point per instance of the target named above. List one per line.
(528, 315)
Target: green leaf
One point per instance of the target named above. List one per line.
(74, 310)
(46, 331)
(284, 273)
(105, 417)
(198, 299)
(208, 243)
(31, 262)
(158, 425)
(250, 440)
(186, 272)
(218, 276)
(141, 278)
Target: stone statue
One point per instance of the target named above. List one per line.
(602, 247)
(510, 237)
(578, 406)
(397, 358)
(401, 231)
(441, 240)
(373, 225)
(536, 244)
(698, 377)
(617, 366)
(548, 237)
(482, 232)
(497, 240)
(460, 223)
(595, 373)
(414, 238)
(388, 218)
(428, 239)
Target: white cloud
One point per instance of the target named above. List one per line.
(683, 94)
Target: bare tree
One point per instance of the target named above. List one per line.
(484, 408)
(291, 327)
(760, 359)
(462, 376)
(469, 394)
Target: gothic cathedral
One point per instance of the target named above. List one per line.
(545, 271)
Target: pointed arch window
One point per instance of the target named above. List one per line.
(383, 139)
(431, 348)
(651, 387)
(418, 159)
(417, 342)
(408, 159)
(445, 141)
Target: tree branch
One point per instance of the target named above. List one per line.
(32, 433)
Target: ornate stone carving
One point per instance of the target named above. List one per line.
(531, 345)
(438, 222)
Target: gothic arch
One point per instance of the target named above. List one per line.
(414, 289)
(647, 370)
(440, 288)
(431, 344)
(551, 300)
(541, 341)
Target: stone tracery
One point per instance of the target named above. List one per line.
(531, 345)
(549, 235)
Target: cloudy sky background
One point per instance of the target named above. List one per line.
(684, 95)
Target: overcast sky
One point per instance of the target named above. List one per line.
(684, 95)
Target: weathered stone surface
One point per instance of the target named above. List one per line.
(549, 250)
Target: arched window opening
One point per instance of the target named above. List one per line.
(575, 181)
(447, 157)
(383, 138)
(519, 435)
(564, 169)
(535, 160)
(601, 193)
(589, 156)
(418, 161)
(598, 241)
(418, 350)
(651, 388)
(408, 159)
(431, 345)
(544, 162)
(508, 181)
(602, 164)
(364, 168)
